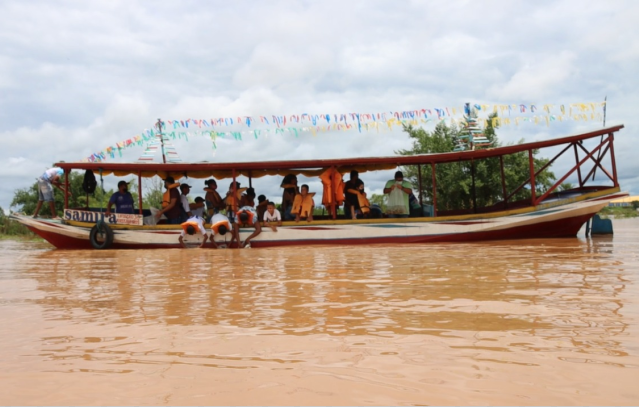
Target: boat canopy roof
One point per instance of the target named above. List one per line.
(313, 168)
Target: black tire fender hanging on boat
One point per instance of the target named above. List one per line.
(101, 236)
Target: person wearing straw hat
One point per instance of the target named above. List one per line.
(122, 199)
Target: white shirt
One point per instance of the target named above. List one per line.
(275, 217)
(52, 172)
(200, 225)
(185, 203)
(218, 217)
(198, 212)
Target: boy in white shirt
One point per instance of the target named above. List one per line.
(272, 217)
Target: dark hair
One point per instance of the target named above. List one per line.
(354, 173)
(222, 230)
(250, 192)
(304, 186)
(288, 179)
(399, 174)
(244, 217)
(190, 230)
(261, 198)
(270, 203)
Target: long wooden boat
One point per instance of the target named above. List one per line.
(547, 214)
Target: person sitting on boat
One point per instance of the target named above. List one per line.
(214, 202)
(246, 217)
(261, 207)
(303, 205)
(171, 207)
(363, 205)
(272, 217)
(289, 183)
(398, 191)
(198, 210)
(351, 200)
(122, 199)
(46, 181)
(193, 226)
(220, 225)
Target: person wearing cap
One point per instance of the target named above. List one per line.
(46, 182)
(171, 207)
(122, 199)
(398, 192)
(186, 205)
(351, 200)
(213, 200)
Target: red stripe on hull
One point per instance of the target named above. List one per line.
(552, 229)
(62, 241)
(545, 230)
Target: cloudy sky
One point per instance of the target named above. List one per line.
(77, 76)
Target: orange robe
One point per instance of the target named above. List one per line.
(333, 193)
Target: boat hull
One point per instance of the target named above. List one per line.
(551, 220)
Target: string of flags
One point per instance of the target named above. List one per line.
(258, 126)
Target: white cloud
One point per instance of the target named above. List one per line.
(76, 77)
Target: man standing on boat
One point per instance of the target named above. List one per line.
(398, 191)
(46, 181)
(171, 203)
(122, 199)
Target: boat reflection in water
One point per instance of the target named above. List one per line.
(525, 322)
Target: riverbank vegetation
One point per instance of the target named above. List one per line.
(620, 212)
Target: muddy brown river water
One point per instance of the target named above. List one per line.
(527, 322)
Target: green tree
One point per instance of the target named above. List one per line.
(154, 189)
(26, 199)
(565, 186)
(635, 205)
(378, 200)
(455, 180)
(13, 228)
